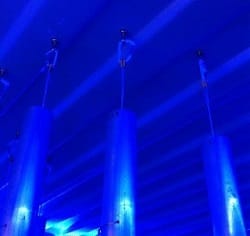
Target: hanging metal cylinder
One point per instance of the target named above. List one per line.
(119, 188)
(26, 179)
(222, 191)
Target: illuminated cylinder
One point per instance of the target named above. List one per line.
(119, 187)
(26, 180)
(223, 197)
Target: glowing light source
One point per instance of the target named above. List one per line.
(23, 214)
(82, 232)
(62, 228)
(233, 201)
(232, 204)
(126, 205)
(19, 26)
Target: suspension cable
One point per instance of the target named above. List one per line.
(204, 84)
(125, 51)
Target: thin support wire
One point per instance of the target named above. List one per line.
(207, 100)
(52, 56)
(204, 83)
(122, 86)
(46, 88)
(125, 51)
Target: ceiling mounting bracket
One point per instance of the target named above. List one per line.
(52, 54)
(51, 60)
(125, 48)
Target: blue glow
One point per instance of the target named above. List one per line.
(222, 190)
(219, 73)
(126, 205)
(23, 214)
(126, 213)
(161, 20)
(25, 181)
(60, 227)
(19, 26)
(118, 204)
(232, 204)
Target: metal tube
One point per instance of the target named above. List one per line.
(222, 191)
(26, 178)
(119, 188)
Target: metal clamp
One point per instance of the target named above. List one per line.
(125, 48)
(52, 54)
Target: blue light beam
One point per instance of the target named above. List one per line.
(22, 22)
